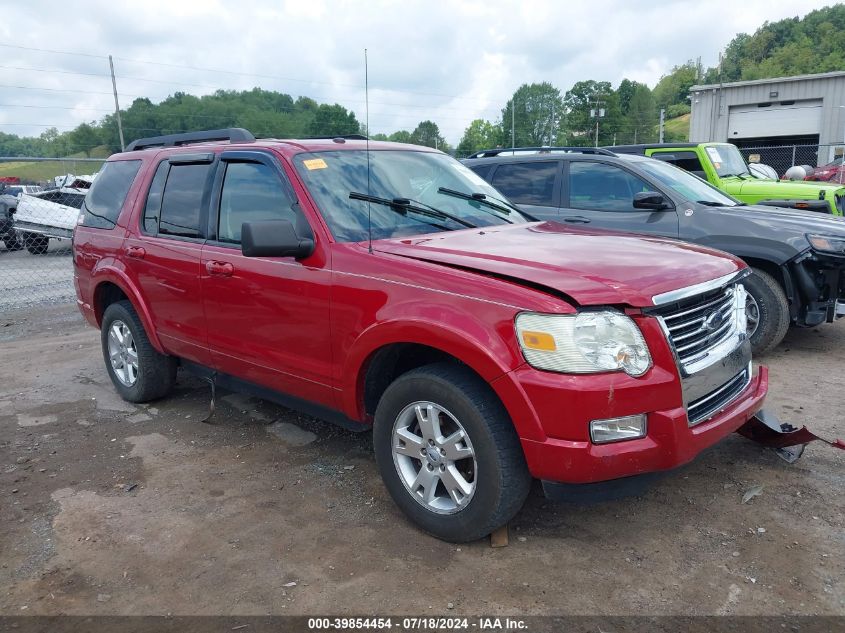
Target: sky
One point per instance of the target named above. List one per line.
(450, 62)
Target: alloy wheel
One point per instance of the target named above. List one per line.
(434, 457)
(752, 315)
(123, 354)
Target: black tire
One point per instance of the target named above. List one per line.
(13, 241)
(156, 372)
(502, 480)
(773, 308)
(36, 244)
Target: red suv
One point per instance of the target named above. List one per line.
(387, 286)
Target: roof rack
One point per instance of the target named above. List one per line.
(488, 153)
(232, 134)
(331, 137)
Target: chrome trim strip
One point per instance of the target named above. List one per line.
(690, 291)
(746, 374)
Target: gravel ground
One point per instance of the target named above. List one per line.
(112, 508)
(28, 280)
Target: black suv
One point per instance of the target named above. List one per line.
(798, 257)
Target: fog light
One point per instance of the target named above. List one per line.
(618, 429)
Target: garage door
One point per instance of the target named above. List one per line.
(777, 119)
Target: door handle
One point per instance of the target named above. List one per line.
(577, 219)
(220, 269)
(136, 252)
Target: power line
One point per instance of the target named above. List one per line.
(240, 73)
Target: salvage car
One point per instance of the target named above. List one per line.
(49, 214)
(722, 165)
(797, 257)
(833, 171)
(8, 205)
(385, 286)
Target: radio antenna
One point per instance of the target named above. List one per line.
(367, 124)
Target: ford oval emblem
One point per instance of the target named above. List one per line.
(713, 321)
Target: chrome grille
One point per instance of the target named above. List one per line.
(706, 407)
(698, 324)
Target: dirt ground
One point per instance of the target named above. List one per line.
(111, 508)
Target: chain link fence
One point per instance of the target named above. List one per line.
(782, 157)
(39, 204)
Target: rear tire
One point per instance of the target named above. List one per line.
(487, 460)
(36, 244)
(126, 345)
(769, 306)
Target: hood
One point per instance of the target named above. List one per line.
(783, 188)
(785, 220)
(591, 267)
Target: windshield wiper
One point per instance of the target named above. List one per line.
(714, 203)
(403, 205)
(483, 199)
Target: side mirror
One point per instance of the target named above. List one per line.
(274, 238)
(650, 200)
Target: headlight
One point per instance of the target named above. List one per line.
(586, 343)
(827, 244)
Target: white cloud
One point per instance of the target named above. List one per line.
(447, 61)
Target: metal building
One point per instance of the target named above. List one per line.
(805, 112)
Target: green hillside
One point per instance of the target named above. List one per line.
(30, 172)
(677, 129)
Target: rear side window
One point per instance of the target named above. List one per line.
(181, 201)
(687, 161)
(527, 183)
(108, 193)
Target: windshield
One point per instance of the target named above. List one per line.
(413, 176)
(684, 183)
(727, 161)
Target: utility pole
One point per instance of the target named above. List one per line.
(116, 105)
(598, 113)
(662, 123)
(513, 123)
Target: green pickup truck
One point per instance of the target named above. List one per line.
(723, 166)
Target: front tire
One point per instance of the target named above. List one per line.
(137, 370)
(448, 453)
(767, 311)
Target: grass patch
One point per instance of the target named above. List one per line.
(31, 172)
(677, 129)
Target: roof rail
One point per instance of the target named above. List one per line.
(487, 153)
(331, 137)
(232, 134)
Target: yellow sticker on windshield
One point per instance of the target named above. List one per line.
(314, 163)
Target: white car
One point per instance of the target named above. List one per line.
(50, 213)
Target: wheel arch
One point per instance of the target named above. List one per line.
(111, 285)
(388, 350)
(782, 275)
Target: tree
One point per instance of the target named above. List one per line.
(333, 119)
(401, 136)
(480, 134)
(533, 116)
(584, 103)
(675, 87)
(626, 91)
(427, 133)
(642, 116)
(84, 138)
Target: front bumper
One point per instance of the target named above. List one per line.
(670, 442)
